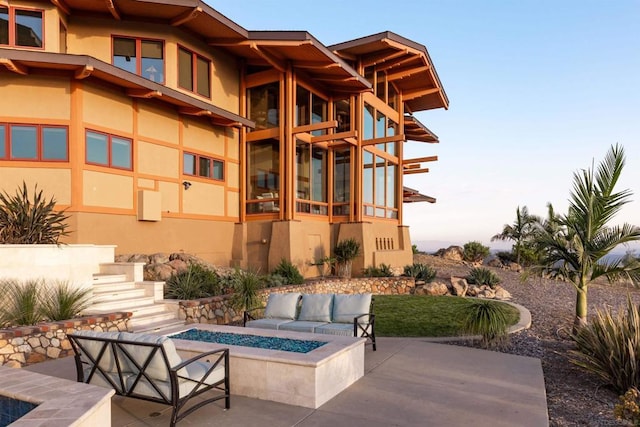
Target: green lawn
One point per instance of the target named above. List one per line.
(423, 316)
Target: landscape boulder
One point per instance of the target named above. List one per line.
(452, 253)
(459, 286)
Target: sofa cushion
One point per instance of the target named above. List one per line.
(316, 307)
(107, 362)
(301, 326)
(267, 323)
(346, 307)
(157, 368)
(282, 306)
(342, 329)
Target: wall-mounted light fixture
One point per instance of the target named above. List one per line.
(186, 184)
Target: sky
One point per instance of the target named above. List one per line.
(538, 90)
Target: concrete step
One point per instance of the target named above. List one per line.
(113, 287)
(154, 324)
(117, 295)
(99, 278)
(125, 304)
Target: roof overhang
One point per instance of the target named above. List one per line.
(409, 195)
(302, 52)
(414, 130)
(194, 16)
(407, 64)
(86, 67)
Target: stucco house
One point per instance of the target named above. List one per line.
(162, 125)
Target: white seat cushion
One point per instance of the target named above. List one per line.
(300, 326)
(282, 306)
(157, 368)
(346, 307)
(316, 307)
(266, 323)
(107, 362)
(342, 329)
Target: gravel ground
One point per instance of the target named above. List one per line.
(574, 397)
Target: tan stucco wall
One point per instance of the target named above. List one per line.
(202, 137)
(54, 183)
(206, 239)
(301, 242)
(34, 97)
(107, 190)
(157, 160)
(157, 123)
(203, 198)
(170, 196)
(107, 108)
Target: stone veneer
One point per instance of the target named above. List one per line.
(31, 344)
(218, 309)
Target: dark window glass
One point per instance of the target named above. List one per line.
(54, 143)
(124, 54)
(205, 167)
(368, 121)
(204, 84)
(97, 148)
(368, 177)
(24, 142)
(303, 101)
(4, 25)
(342, 176)
(218, 169)
(343, 115)
(264, 105)
(152, 60)
(120, 152)
(3, 142)
(28, 30)
(185, 69)
(189, 166)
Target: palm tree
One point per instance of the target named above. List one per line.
(520, 232)
(576, 252)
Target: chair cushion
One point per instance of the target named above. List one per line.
(316, 307)
(342, 329)
(157, 368)
(266, 323)
(282, 306)
(346, 307)
(300, 326)
(107, 362)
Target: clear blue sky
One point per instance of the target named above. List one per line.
(538, 90)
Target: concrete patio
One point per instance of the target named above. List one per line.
(407, 382)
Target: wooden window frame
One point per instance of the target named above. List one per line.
(11, 11)
(39, 143)
(139, 41)
(212, 161)
(194, 71)
(109, 163)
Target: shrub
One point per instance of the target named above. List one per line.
(420, 272)
(609, 347)
(506, 256)
(63, 301)
(383, 271)
(21, 303)
(489, 319)
(628, 409)
(245, 285)
(194, 282)
(345, 252)
(289, 272)
(26, 221)
(475, 252)
(274, 280)
(483, 276)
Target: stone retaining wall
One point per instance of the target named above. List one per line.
(31, 344)
(218, 309)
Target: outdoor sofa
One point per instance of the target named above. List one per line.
(332, 314)
(148, 367)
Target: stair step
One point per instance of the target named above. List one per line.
(124, 304)
(108, 278)
(154, 324)
(117, 295)
(113, 286)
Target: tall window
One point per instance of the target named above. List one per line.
(140, 56)
(21, 27)
(341, 181)
(311, 164)
(379, 187)
(310, 108)
(194, 72)
(264, 105)
(342, 113)
(263, 176)
(108, 150)
(33, 142)
(205, 167)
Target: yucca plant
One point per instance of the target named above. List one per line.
(63, 301)
(345, 252)
(246, 285)
(21, 302)
(27, 221)
(289, 271)
(483, 276)
(420, 272)
(610, 346)
(489, 319)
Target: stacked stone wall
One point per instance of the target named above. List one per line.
(218, 309)
(25, 345)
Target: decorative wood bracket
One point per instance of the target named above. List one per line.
(14, 66)
(84, 72)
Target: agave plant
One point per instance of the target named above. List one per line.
(420, 272)
(26, 221)
(289, 271)
(63, 301)
(483, 276)
(194, 282)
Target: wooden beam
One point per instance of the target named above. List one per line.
(186, 17)
(333, 136)
(316, 126)
(409, 95)
(396, 62)
(347, 56)
(412, 171)
(14, 66)
(144, 93)
(83, 72)
(316, 64)
(112, 8)
(225, 123)
(421, 159)
(406, 72)
(384, 140)
(331, 78)
(275, 62)
(60, 4)
(192, 111)
(414, 166)
(401, 46)
(383, 57)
